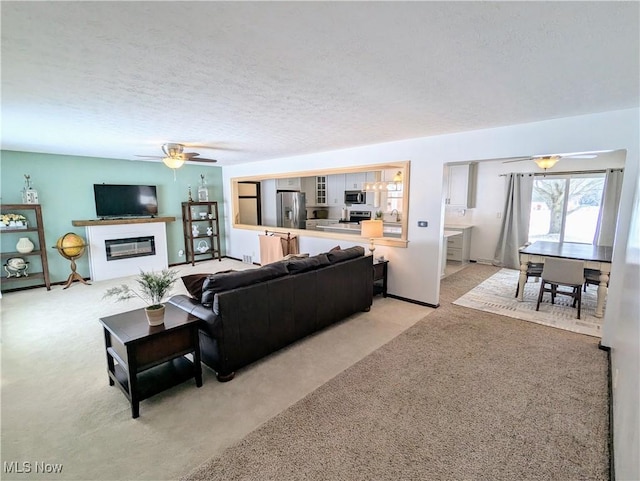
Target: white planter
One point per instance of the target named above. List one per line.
(155, 317)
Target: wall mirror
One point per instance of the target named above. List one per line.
(326, 203)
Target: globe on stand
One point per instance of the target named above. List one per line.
(71, 246)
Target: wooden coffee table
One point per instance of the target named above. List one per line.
(143, 360)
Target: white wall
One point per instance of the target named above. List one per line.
(623, 335)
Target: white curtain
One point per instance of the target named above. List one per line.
(608, 216)
(515, 220)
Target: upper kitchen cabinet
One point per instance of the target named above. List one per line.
(335, 189)
(355, 181)
(308, 186)
(289, 183)
(460, 185)
(316, 190)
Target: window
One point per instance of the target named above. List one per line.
(566, 208)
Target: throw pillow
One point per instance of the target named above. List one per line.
(345, 254)
(225, 282)
(194, 283)
(296, 266)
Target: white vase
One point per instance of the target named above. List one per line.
(24, 245)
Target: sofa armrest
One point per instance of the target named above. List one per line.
(194, 307)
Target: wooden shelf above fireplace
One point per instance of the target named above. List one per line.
(133, 220)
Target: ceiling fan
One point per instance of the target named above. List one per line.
(175, 156)
(549, 160)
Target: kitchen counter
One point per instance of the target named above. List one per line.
(342, 228)
(451, 233)
(457, 226)
(388, 231)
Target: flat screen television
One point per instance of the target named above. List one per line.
(125, 200)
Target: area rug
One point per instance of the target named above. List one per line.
(496, 295)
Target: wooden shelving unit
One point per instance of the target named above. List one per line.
(33, 213)
(192, 243)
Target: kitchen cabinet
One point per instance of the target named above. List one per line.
(458, 246)
(315, 189)
(335, 189)
(355, 181)
(201, 231)
(33, 213)
(308, 185)
(290, 183)
(460, 185)
(321, 190)
(312, 224)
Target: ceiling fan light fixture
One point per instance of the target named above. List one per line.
(172, 150)
(173, 162)
(547, 162)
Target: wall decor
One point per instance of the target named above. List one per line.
(13, 221)
(16, 267)
(24, 245)
(29, 194)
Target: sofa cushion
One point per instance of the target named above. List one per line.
(215, 283)
(194, 282)
(296, 266)
(345, 254)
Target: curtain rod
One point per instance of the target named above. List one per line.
(544, 174)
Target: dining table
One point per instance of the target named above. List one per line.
(594, 257)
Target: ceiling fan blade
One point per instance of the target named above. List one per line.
(201, 159)
(516, 159)
(578, 155)
(211, 147)
(189, 155)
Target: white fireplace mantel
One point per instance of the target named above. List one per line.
(99, 231)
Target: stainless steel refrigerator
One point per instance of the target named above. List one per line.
(291, 210)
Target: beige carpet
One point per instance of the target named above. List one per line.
(462, 395)
(497, 295)
(58, 408)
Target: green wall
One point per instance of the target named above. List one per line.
(65, 190)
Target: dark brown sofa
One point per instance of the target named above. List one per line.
(247, 315)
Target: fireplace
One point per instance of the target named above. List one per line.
(126, 248)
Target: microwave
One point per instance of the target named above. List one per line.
(354, 197)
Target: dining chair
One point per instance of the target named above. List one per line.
(592, 278)
(562, 272)
(534, 269)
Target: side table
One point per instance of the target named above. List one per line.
(380, 277)
(143, 360)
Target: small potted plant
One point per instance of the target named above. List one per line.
(153, 288)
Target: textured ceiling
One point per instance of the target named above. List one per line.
(262, 80)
